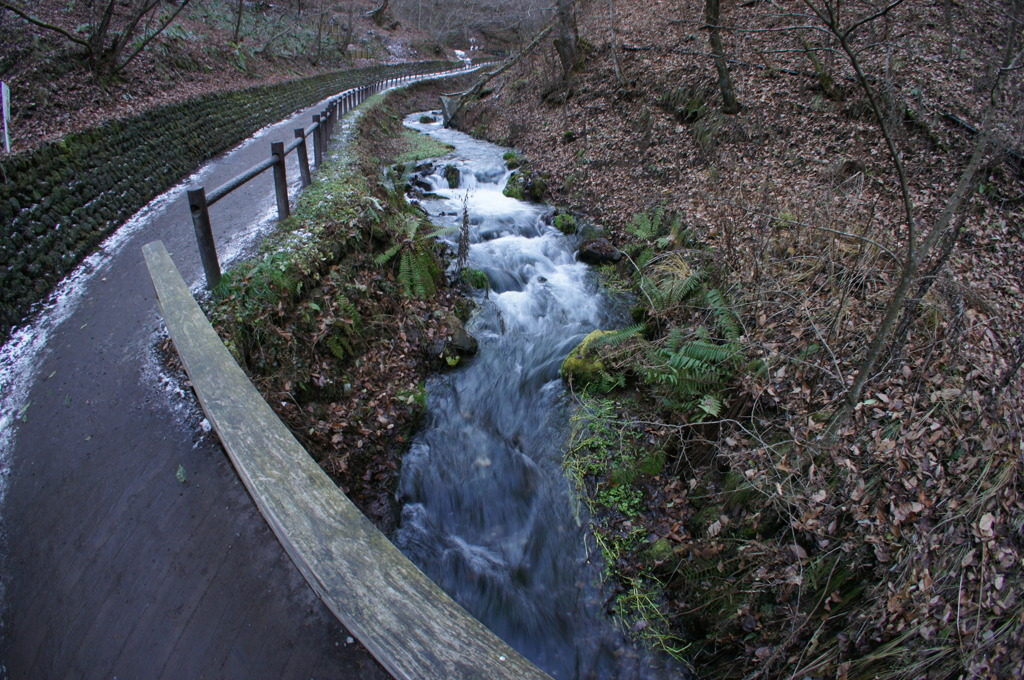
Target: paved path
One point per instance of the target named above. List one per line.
(113, 567)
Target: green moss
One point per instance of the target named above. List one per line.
(526, 185)
(476, 278)
(566, 224)
(514, 188)
(659, 551)
(453, 176)
(583, 366)
(420, 147)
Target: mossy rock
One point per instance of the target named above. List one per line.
(566, 224)
(476, 279)
(583, 366)
(453, 176)
(525, 185)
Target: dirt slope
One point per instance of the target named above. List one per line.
(53, 92)
(892, 547)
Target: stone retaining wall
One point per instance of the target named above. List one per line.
(59, 201)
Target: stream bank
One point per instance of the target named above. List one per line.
(487, 511)
(345, 314)
(326, 333)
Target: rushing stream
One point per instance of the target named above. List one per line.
(487, 511)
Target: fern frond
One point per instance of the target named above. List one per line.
(672, 291)
(674, 340)
(442, 231)
(340, 347)
(386, 256)
(405, 272)
(424, 273)
(647, 227)
(617, 337)
(708, 352)
(711, 405)
(410, 225)
(645, 256)
(728, 322)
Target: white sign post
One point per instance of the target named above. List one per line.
(5, 98)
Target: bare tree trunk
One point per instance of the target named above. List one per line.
(915, 252)
(346, 38)
(380, 15)
(120, 64)
(567, 38)
(907, 278)
(615, 43)
(712, 19)
(105, 54)
(238, 23)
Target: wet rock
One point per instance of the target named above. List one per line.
(526, 185)
(450, 109)
(455, 343)
(453, 176)
(598, 251)
(565, 223)
(419, 183)
(583, 366)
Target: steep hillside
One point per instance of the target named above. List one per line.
(785, 522)
(205, 49)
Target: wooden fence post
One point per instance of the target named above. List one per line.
(318, 142)
(204, 235)
(280, 180)
(303, 158)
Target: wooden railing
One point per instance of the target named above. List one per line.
(406, 621)
(199, 201)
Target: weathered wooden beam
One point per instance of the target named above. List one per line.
(303, 157)
(409, 624)
(200, 209)
(280, 180)
(318, 141)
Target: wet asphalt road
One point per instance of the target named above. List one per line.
(113, 567)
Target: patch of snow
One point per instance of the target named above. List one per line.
(25, 350)
(170, 388)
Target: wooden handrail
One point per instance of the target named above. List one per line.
(412, 627)
(321, 130)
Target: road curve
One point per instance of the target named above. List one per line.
(112, 566)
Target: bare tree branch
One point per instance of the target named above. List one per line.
(154, 34)
(42, 24)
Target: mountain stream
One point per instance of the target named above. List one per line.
(487, 512)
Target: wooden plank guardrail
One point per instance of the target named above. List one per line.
(409, 624)
(322, 129)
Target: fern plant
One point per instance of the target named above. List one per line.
(695, 369)
(696, 373)
(672, 282)
(654, 232)
(418, 269)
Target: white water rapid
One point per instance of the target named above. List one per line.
(487, 512)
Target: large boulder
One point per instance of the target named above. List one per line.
(598, 251)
